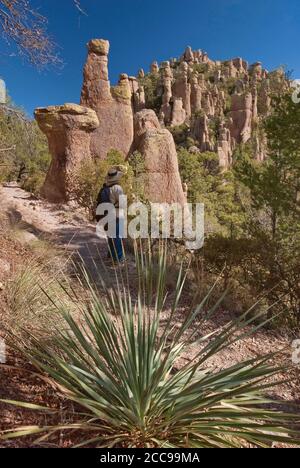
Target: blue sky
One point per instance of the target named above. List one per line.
(141, 31)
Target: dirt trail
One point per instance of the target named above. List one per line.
(61, 224)
(68, 228)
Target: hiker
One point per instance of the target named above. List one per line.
(111, 193)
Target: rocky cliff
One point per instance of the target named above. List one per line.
(221, 105)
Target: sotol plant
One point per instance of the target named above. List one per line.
(119, 363)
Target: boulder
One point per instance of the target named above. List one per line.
(68, 129)
(12, 184)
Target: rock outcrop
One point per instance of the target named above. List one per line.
(225, 147)
(219, 103)
(201, 93)
(182, 87)
(167, 79)
(178, 112)
(196, 94)
(241, 117)
(68, 129)
(200, 132)
(156, 144)
(112, 105)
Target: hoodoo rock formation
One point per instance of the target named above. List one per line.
(156, 144)
(220, 104)
(241, 117)
(112, 105)
(68, 129)
(105, 121)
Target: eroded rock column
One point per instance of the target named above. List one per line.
(68, 129)
(167, 79)
(182, 88)
(224, 147)
(196, 94)
(162, 181)
(241, 115)
(112, 105)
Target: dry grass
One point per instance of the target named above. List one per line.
(23, 301)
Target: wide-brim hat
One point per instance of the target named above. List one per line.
(114, 175)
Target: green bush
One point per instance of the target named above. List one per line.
(180, 134)
(90, 177)
(33, 183)
(153, 91)
(26, 157)
(217, 190)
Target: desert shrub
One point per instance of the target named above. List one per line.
(5, 171)
(24, 156)
(201, 67)
(90, 177)
(272, 218)
(26, 305)
(275, 270)
(33, 183)
(137, 165)
(24, 292)
(254, 266)
(180, 134)
(153, 91)
(120, 364)
(217, 190)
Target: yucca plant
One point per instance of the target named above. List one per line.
(119, 364)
